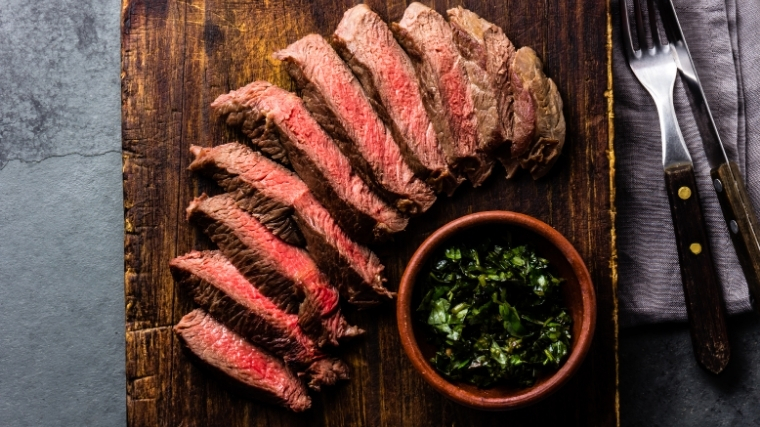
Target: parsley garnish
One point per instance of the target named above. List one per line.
(495, 314)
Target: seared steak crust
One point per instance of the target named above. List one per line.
(485, 45)
(387, 75)
(314, 156)
(456, 103)
(549, 137)
(336, 100)
(252, 370)
(530, 107)
(283, 273)
(357, 271)
(219, 288)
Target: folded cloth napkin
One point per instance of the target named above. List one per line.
(724, 41)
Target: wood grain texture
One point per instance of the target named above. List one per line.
(179, 55)
(701, 288)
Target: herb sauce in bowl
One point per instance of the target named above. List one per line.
(494, 313)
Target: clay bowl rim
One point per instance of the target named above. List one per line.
(529, 395)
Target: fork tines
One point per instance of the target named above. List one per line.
(643, 35)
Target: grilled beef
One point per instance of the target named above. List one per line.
(354, 268)
(485, 45)
(314, 156)
(337, 101)
(387, 75)
(255, 372)
(530, 107)
(219, 288)
(543, 105)
(281, 271)
(449, 92)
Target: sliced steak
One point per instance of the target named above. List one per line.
(544, 107)
(282, 272)
(486, 45)
(255, 372)
(315, 157)
(387, 75)
(337, 101)
(272, 213)
(530, 107)
(354, 268)
(449, 92)
(219, 288)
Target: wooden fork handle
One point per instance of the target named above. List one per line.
(704, 299)
(742, 223)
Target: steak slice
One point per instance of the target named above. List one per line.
(282, 272)
(387, 75)
(357, 271)
(255, 372)
(219, 288)
(544, 108)
(486, 45)
(338, 103)
(448, 91)
(315, 157)
(275, 216)
(530, 107)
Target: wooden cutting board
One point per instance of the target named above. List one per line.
(179, 55)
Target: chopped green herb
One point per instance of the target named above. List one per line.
(495, 314)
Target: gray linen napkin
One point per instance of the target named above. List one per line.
(724, 40)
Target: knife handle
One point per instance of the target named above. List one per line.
(742, 223)
(704, 301)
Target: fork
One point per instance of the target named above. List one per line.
(655, 67)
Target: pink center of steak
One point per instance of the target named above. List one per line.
(269, 178)
(221, 348)
(290, 261)
(214, 268)
(370, 42)
(343, 94)
(366, 264)
(278, 183)
(292, 118)
(434, 40)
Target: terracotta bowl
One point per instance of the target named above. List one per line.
(577, 289)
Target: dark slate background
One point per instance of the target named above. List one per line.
(61, 265)
(61, 217)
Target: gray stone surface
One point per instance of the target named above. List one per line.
(59, 78)
(61, 238)
(61, 293)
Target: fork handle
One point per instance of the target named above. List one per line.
(742, 223)
(704, 300)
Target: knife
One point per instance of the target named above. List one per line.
(656, 70)
(727, 180)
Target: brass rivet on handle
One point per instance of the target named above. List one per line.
(684, 193)
(695, 248)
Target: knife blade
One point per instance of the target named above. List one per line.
(732, 194)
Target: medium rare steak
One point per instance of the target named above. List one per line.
(486, 45)
(337, 101)
(274, 214)
(529, 80)
(315, 157)
(354, 268)
(281, 271)
(255, 372)
(219, 288)
(449, 92)
(530, 107)
(387, 75)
